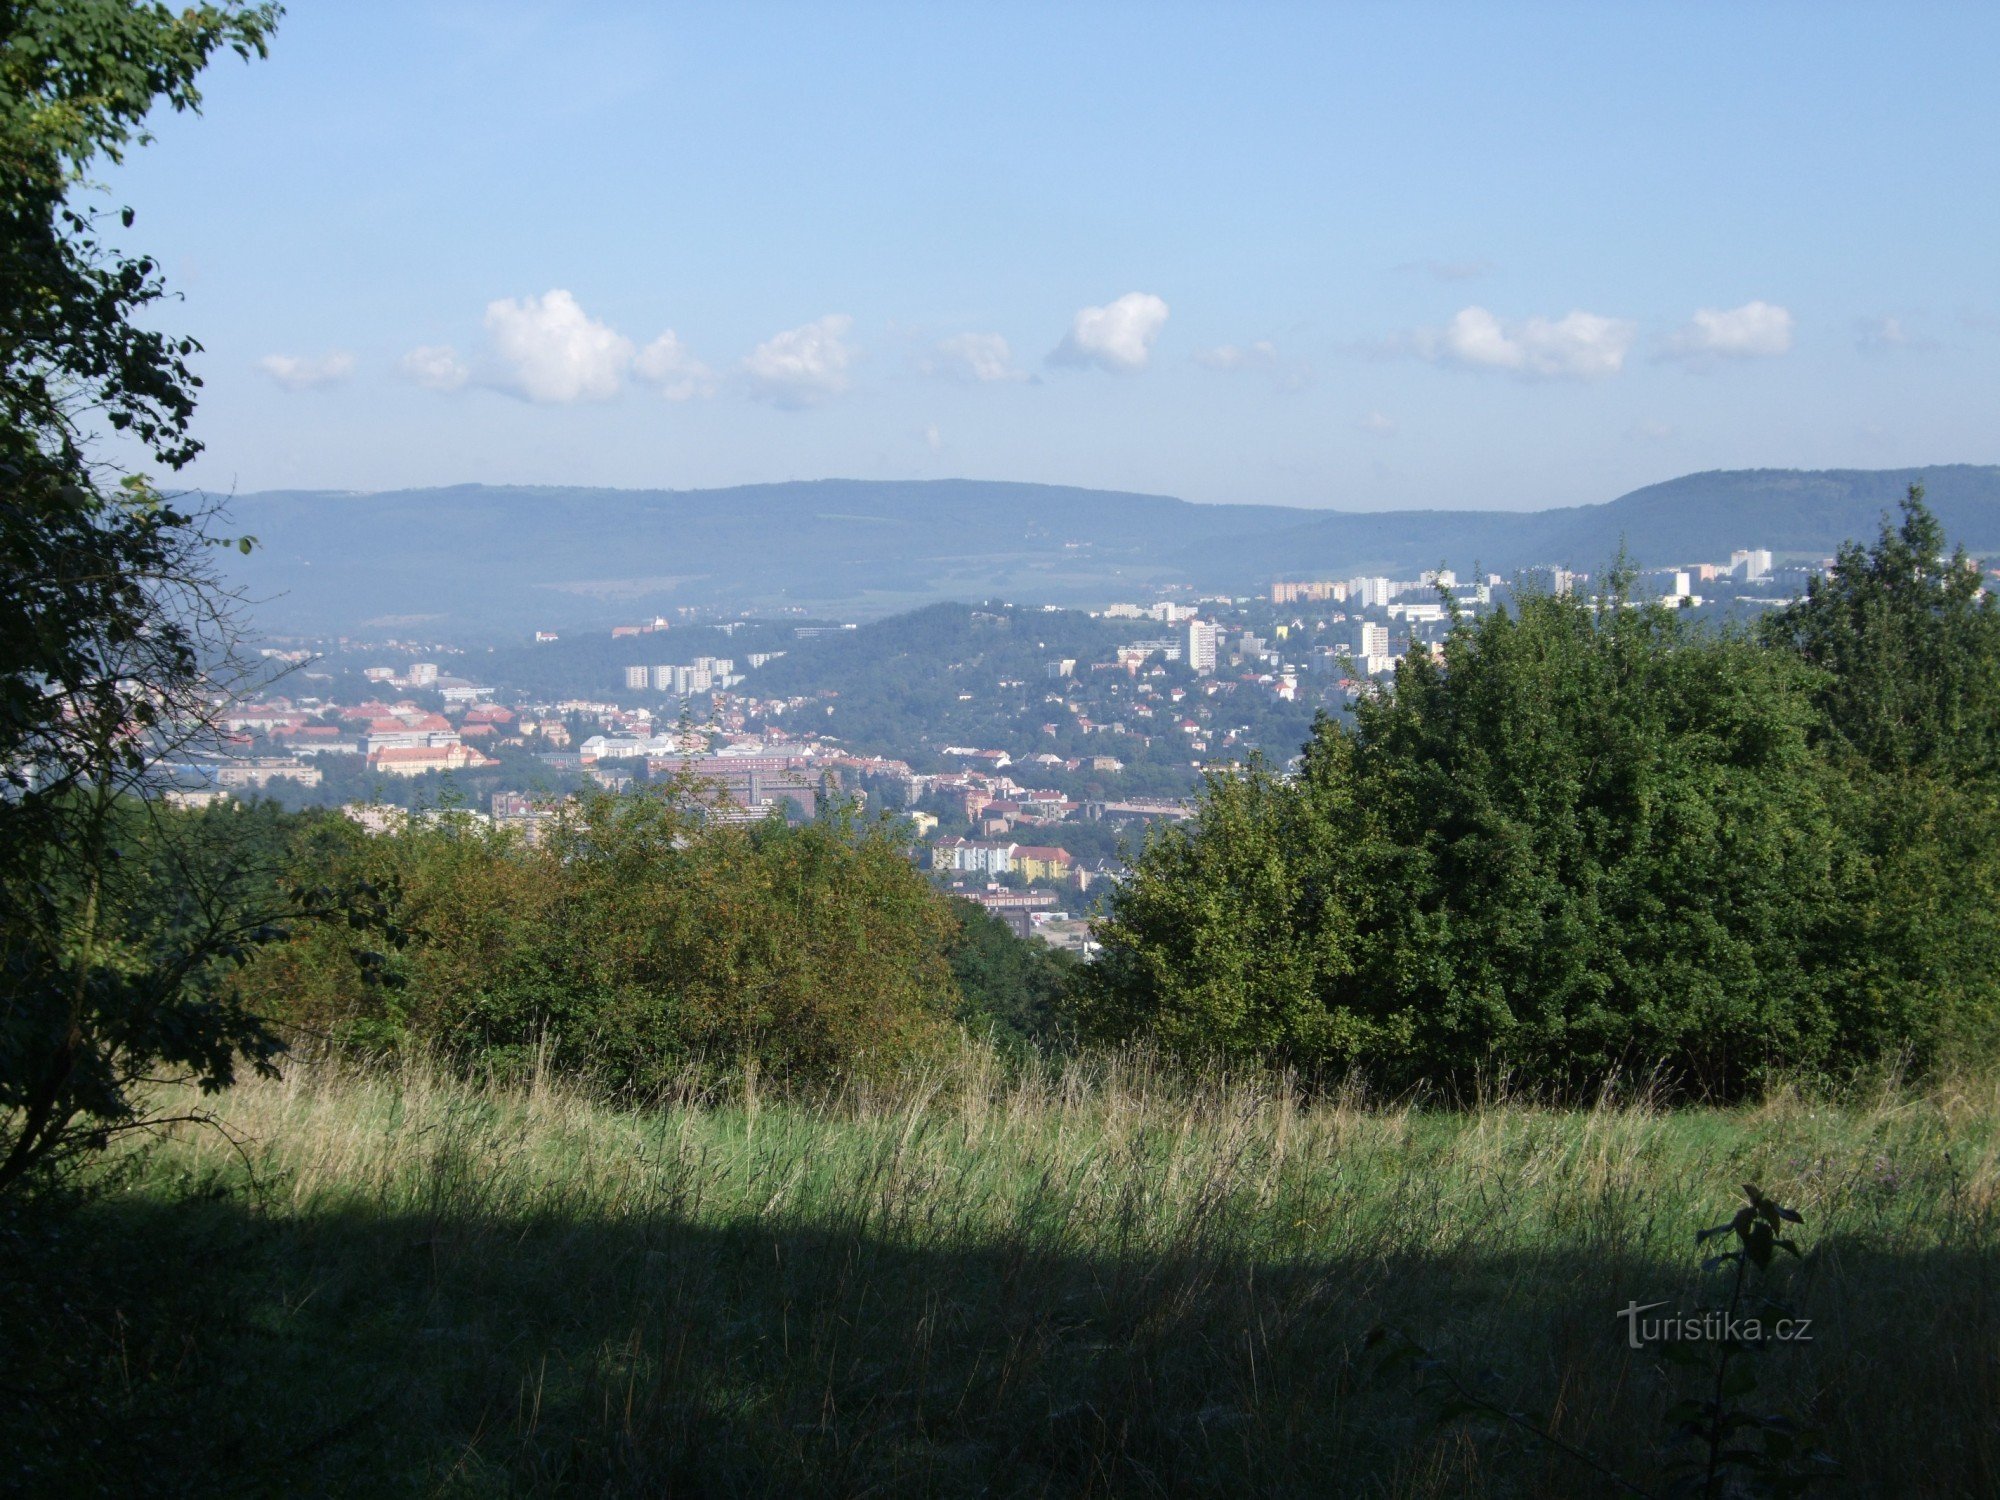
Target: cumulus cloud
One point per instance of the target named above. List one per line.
(976, 358)
(933, 437)
(1378, 423)
(667, 364)
(549, 350)
(304, 372)
(1756, 330)
(1576, 346)
(802, 366)
(1118, 338)
(435, 367)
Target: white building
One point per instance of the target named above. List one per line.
(1754, 565)
(1201, 646)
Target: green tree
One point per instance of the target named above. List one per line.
(1909, 645)
(112, 622)
(1907, 650)
(1587, 838)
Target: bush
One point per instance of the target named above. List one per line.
(1590, 839)
(639, 938)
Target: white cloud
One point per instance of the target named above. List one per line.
(1378, 423)
(436, 367)
(933, 437)
(977, 358)
(1576, 346)
(1118, 338)
(1756, 330)
(667, 363)
(802, 366)
(1650, 430)
(1262, 355)
(303, 373)
(551, 351)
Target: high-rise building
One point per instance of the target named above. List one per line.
(663, 679)
(1754, 564)
(1374, 643)
(635, 678)
(1201, 646)
(424, 673)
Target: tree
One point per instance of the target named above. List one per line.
(1909, 646)
(1589, 838)
(113, 624)
(1906, 648)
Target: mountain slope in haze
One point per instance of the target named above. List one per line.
(505, 560)
(517, 557)
(1696, 518)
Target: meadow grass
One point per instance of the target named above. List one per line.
(1096, 1277)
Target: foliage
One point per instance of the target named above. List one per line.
(1020, 990)
(640, 940)
(127, 970)
(1594, 838)
(1909, 647)
(114, 628)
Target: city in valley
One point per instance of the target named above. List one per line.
(1026, 785)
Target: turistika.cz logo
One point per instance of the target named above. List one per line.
(1710, 1327)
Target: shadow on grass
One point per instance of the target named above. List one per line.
(200, 1347)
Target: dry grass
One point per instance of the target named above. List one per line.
(1100, 1277)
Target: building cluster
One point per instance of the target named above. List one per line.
(705, 674)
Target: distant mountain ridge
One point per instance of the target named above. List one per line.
(508, 559)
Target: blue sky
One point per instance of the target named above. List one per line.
(1360, 256)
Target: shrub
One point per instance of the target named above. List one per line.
(642, 936)
(1590, 838)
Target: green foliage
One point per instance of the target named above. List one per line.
(121, 969)
(1595, 838)
(1019, 990)
(640, 940)
(114, 630)
(1910, 650)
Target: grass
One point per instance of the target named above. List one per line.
(1098, 1278)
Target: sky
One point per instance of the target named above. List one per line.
(1360, 256)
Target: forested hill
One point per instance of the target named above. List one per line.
(1698, 517)
(479, 559)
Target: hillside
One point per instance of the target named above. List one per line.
(474, 559)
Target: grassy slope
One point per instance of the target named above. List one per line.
(1099, 1281)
